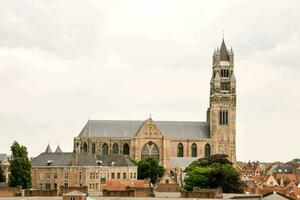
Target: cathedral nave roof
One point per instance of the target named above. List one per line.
(129, 128)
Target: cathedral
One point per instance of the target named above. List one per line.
(166, 139)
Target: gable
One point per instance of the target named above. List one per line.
(167, 179)
(271, 181)
(149, 130)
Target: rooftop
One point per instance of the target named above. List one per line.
(83, 159)
(129, 128)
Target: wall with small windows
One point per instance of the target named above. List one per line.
(49, 178)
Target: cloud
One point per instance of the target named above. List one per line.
(64, 62)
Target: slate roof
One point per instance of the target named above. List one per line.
(272, 169)
(224, 56)
(129, 128)
(91, 160)
(83, 159)
(284, 169)
(58, 159)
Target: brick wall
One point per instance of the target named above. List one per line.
(136, 192)
(203, 193)
(167, 187)
(41, 193)
(118, 193)
(65, 190)
(75, 197)
(10, 191)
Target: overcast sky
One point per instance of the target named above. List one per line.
(65, 62)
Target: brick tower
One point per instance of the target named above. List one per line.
(221, 113)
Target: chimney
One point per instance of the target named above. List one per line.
(74, 158)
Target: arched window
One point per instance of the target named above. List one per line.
(115, 149)
(85, 147)
(207, 150)
(77, 147)
(104, 148)
(126, 149)
(194, 150)
(93, 148)
(180, 150)
(150, 149)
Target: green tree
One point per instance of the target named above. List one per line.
(205, 162)
(20, 167)
(149, 168)
(198, 177)
(213, 172)
(2, 177)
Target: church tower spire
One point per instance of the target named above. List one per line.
(221, 113)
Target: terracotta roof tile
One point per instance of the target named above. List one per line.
(123, 184)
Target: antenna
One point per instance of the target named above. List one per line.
(223, 34)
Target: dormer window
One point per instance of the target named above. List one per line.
(49, 162)
(99, 162)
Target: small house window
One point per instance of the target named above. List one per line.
(112, 175)
(66, 175)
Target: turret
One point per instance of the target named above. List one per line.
(48, 149)
(58, 149)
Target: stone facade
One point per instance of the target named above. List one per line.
(78, 173)
(174, 139)
(4, 164)
(222, 111)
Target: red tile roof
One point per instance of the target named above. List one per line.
(123, 184)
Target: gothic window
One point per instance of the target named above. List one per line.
(194, 150)
(150, 150)
(93, 148)
(225, 86)
(126, 149)
(115, 149)
(224, 73)
(180, 150)
(207, 150)
(223, 117)
(85, 147)
(104, 149)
